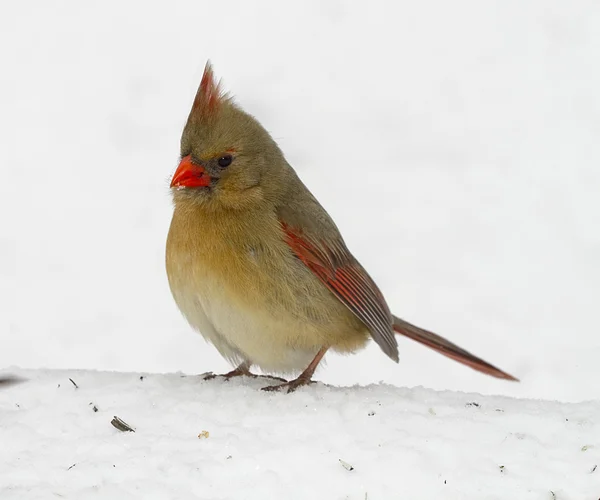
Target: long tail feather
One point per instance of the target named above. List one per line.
(447, 348)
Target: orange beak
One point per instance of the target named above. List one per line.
(190, 175)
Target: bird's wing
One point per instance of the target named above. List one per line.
(318, 244)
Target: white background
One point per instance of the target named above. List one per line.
(454, 143)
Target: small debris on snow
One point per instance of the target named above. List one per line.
(500, 410)
(229, 457)
(371, 413)
(587, 447)
(204, 435)
(594, 469)
(142, 378)
(473, 403)
(73, 382)
(346, 465)
(553, 495)
(94, 407)
(432, 411)
(71, 466)
(502, 469)
(117, 423)
(8, 380)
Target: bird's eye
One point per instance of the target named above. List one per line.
(225, 161)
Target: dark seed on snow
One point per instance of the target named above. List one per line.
(117, 423)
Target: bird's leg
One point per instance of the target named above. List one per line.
(243, 370)
(303, 379)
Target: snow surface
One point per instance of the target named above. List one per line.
(454, 143)
(402, 443)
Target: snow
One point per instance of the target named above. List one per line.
(401, 443)
(456, 146)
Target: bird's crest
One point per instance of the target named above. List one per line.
(209, 97)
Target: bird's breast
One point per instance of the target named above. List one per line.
(234, 285)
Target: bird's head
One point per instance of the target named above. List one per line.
(228, 160)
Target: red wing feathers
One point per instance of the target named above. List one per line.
(349, 282)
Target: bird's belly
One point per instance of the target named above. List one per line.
(241, 328)
(267, 342)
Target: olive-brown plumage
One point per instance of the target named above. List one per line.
(256, 264)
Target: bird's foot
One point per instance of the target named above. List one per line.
(241, 372)
(305, 378)
(238, 372)
(271, 377)
(290, 386)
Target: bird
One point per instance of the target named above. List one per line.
(256, 264)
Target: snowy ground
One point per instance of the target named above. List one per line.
(402, 443)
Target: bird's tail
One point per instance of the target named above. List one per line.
(447, 348)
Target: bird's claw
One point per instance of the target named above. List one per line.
(291, 386)
(272, 377)
(240, 373)
(234, 373)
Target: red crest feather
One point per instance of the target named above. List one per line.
(209, 98)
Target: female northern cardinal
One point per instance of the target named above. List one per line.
(256, 264)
